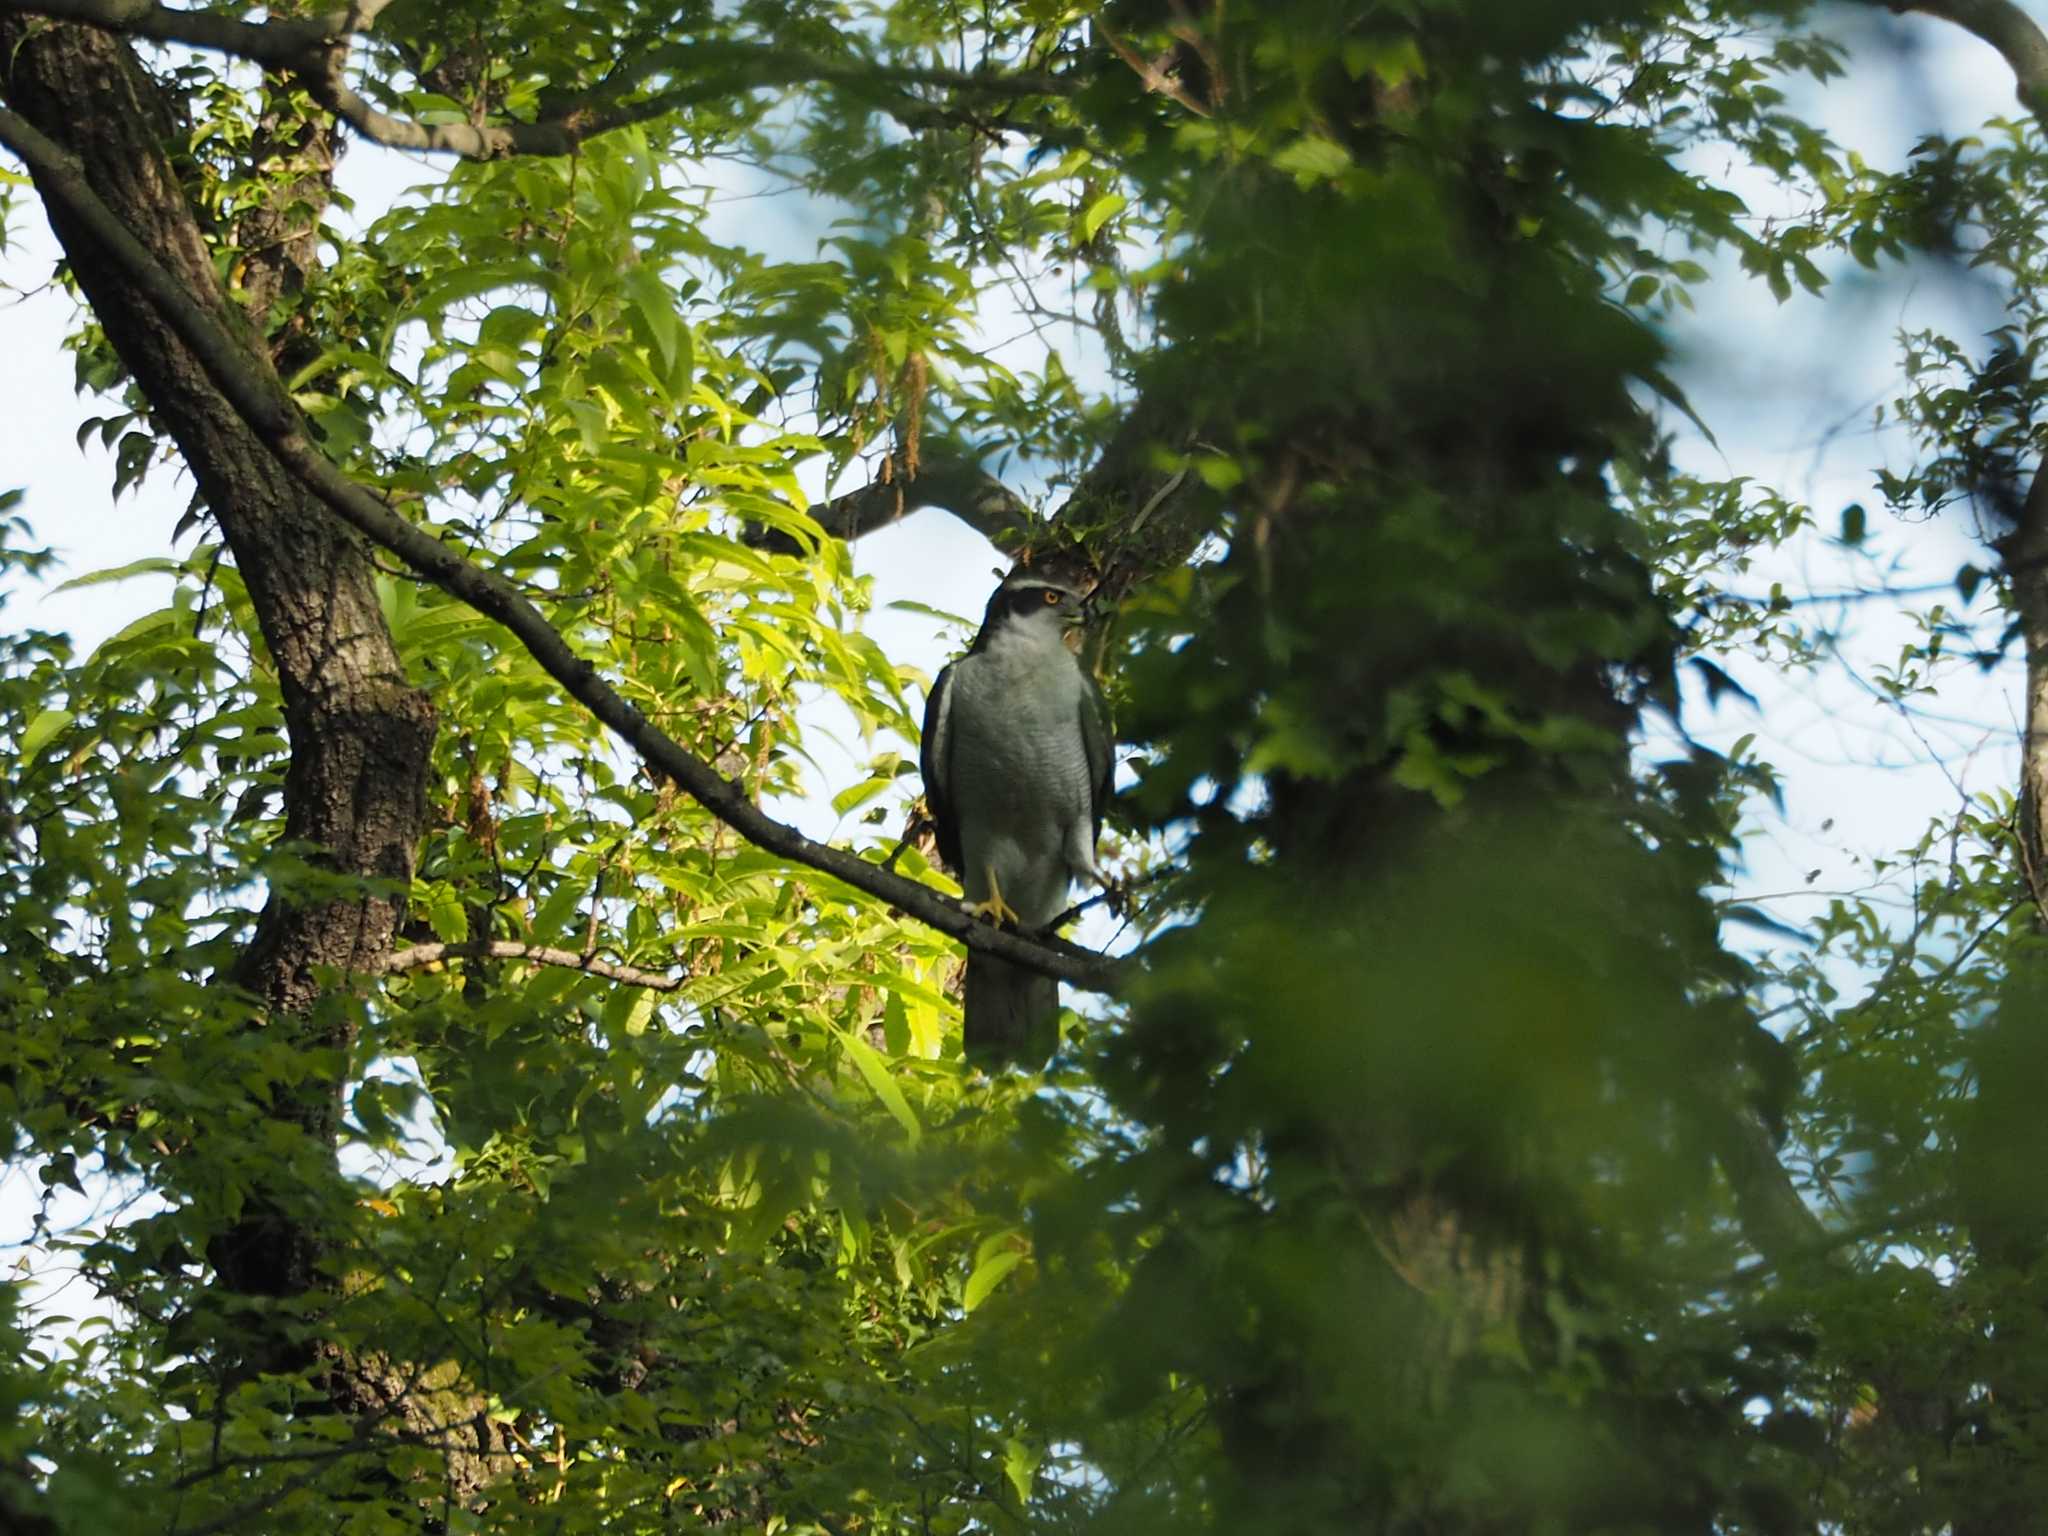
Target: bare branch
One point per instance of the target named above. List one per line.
(253, 388)
(418, 955)
(2002, 24)
(952, 484)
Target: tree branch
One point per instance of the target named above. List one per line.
(602, 111)
(315, 51)
(327, 81)
(1767, 1204)
(952, 483)
(2017, 37)
(281, 44)
(2025, 554)
(253, 388)
(739, 66)
(418, 955)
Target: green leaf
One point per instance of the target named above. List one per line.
(444, 910)
(1312, 158)
(1391, 59)
(553, 917)
(1100, 212)
(468, 281)
(910, 605)
(628, 1011)
(655, 304)
(988, 1274)
(41, 728)
(1020, 1466)
(868, 1061)
(591, 424)
(1753, 917)
(1666, 386)
(857, 795)
(153, 565)
(135, 629)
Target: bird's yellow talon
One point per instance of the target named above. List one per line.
(995, 909)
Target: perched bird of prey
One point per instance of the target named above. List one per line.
(1017, 767)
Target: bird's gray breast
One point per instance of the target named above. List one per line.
(1020, 779)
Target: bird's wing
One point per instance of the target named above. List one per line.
(935, 762)
(1095, 743)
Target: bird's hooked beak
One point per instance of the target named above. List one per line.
(1077, 619)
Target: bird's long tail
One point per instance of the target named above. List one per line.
(1012, 1013)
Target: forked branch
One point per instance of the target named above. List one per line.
(954, 484)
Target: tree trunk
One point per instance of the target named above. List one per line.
(361, 735)
(2005, 1139)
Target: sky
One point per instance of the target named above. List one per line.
(1788, 389)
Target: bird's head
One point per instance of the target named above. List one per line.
(1031, 606)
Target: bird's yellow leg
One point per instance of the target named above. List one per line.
(995, 909)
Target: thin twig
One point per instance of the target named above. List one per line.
(418, 955)
(1109, 895)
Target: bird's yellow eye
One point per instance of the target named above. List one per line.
(1051, 598)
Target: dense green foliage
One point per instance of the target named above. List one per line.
(1443, 1164)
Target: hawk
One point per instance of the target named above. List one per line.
(1017, 770)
